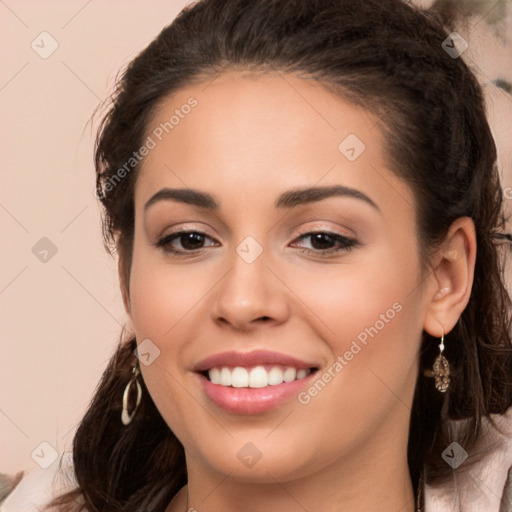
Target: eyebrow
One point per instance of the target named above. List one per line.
(503, 84)
(290, 199)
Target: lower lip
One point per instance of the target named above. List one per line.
(253, 400)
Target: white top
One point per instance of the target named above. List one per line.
(39, 486)
(484, 488)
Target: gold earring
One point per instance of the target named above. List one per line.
(127, 417)
(441, 369)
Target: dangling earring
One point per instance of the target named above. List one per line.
(126, 417)
(441, 369)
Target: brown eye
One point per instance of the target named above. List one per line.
(325, 243)
(188, 240)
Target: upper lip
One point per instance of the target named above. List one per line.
(247, 359)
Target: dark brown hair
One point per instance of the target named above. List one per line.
(388, 58)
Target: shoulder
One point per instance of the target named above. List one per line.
(484, 486)
(35, 488)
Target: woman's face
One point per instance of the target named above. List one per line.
(253, 279)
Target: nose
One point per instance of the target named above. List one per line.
(250, 294)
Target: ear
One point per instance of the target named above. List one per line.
(124, 285)
(452, 278)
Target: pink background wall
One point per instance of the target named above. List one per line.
(61, 318)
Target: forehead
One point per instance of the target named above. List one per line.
(254, 132)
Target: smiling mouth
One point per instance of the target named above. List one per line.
(259, 376)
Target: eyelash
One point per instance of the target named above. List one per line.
(347, 244)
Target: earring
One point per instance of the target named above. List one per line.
(441, 369)
(126, 417)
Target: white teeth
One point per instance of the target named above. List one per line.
(225, 377)
(275, 376)
(302, 373)
(239, 377)
(289, 374)
(215, 375)
(256, 377)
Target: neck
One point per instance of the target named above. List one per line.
(374, 478)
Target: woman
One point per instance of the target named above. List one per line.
(306, 206)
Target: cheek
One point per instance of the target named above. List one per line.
(370, 316)
(373, 298)
(163, 299)
(162, 295)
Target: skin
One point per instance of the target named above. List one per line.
(250, 138)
